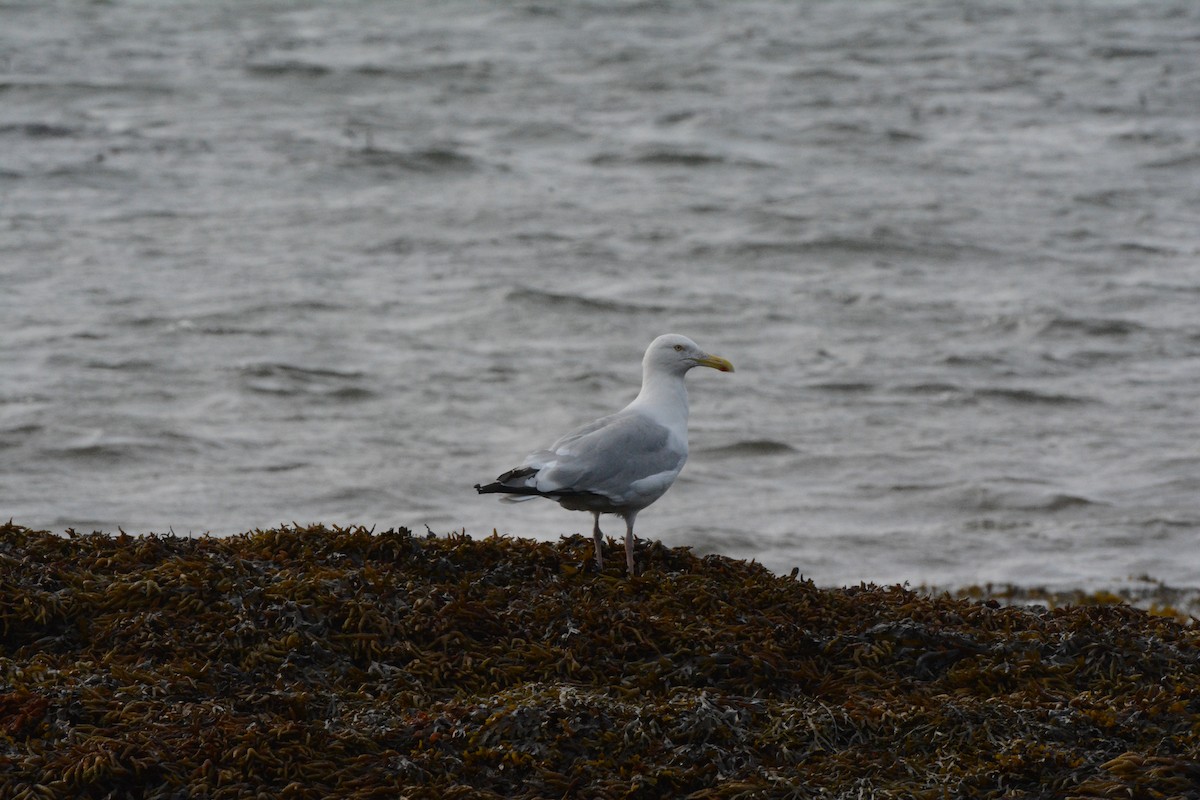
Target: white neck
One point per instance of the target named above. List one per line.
(664, 398)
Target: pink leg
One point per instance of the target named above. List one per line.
(599, 537)
(629, 543)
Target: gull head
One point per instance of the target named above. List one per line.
(675, 354)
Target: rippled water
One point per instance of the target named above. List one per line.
(272, 261)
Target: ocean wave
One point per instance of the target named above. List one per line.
(1143, 247)
(106, 453)
(287, 466)
(231, 322)
(471, 70)
(878, 243)
(1090, 326)
(841, 132)
(357, 497)
(110, 450)
(18, 434)
(817, 74)
(842, 387)
(706, 540)
(289, 68)
(1109, 52)
(990, 498)
(1161, 522)
(672, 156)
(441, 159)
(39, 130)
(544, 131)
(1111, 198)
(290, 380)
(52, 87)
(749, 448)
(1029, 397)
(268, 369)
(124, 365)
(1157, 286)
(93, 172)
(911, 487)
(1173, 162)
(972, 360)
(560, 301)
(22, 429)
(931, 387)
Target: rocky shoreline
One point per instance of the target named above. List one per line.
(317, 662)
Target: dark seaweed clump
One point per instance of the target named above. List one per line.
(318, 662)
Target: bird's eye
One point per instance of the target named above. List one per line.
(678, 348)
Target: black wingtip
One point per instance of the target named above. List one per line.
(496, 487)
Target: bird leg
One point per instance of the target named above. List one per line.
(629, 542)
(599, 537)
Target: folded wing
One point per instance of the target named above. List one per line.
(624, 461)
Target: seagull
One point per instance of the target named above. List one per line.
(621, 463)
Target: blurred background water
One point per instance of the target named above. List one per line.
(266, 261)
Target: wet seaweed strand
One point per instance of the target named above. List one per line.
(303, 662)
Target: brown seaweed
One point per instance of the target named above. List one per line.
(315, 662)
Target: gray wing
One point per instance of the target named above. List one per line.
(626, 457)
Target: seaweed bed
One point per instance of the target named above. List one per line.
(318, 662)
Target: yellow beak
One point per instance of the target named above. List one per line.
(716, 362)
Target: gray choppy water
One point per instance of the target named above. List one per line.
(267, 261)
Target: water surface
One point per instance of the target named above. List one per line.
(266, 261)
